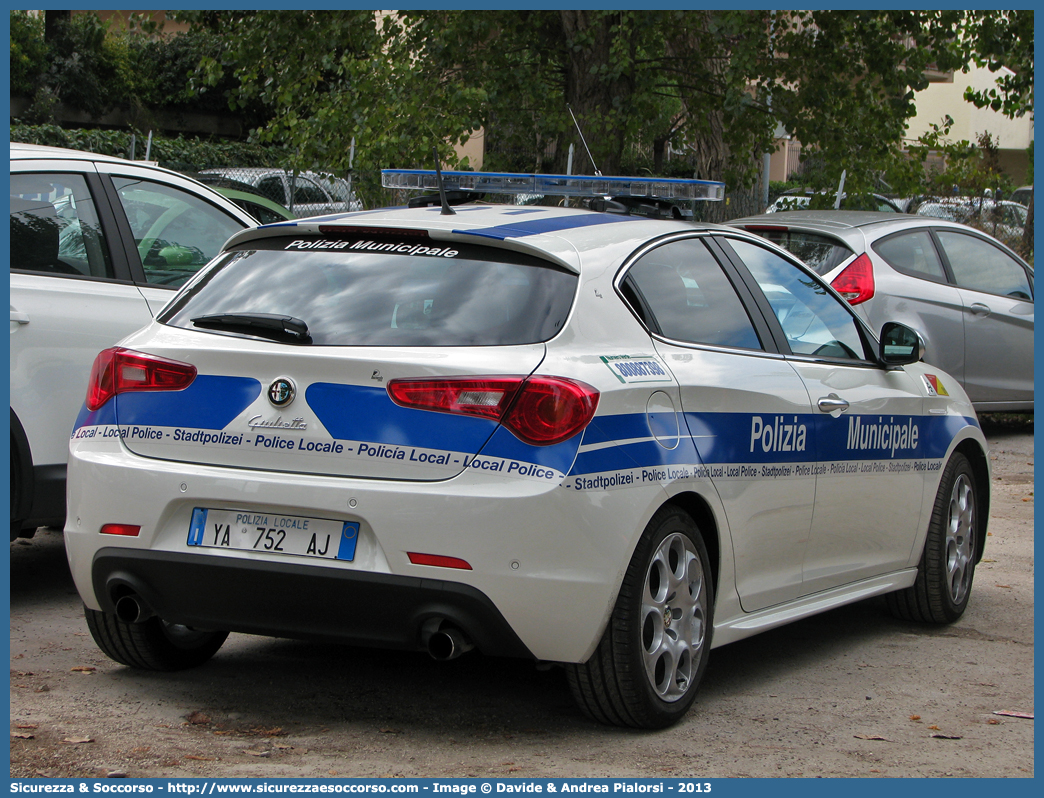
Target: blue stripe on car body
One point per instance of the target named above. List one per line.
(729, 438)
(621, 427)
(610, 442)
(505, 445)
(634, 454)
(362, 413)
(103, 416)
(210, 402)
(536, 227)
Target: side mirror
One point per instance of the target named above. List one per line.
(900, 345)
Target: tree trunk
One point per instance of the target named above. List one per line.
(707, 138)
(53, 21)
(595, 100)
(659, 148)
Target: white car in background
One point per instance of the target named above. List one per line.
(98, 246)
(797, 200)
(1002, 219)
(582, 438)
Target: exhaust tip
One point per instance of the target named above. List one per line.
(131, 609)
(448, 643)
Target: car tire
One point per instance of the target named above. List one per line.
(651, 658)
(947, 566)
(154, 644)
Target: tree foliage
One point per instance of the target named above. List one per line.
(714, 83)
(92, 66)
(326, 77)
(28, 52)
(74, 62)
(1003, 42)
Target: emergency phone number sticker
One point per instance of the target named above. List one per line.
(630, 369)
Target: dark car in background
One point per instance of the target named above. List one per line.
(303, 194)
(250, 199)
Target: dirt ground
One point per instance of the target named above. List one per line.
(848, 693)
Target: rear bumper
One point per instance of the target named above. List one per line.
(308, 603)
(546, 560)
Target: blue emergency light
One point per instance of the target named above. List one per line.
(664, 189)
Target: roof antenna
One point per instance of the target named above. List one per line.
(446, 209)
(578, 130)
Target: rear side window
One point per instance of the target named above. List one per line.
(307, 192)
(912, 253)
(260, 212)
(688, 297)
(359, 291)
(55, 227)
(818, 252)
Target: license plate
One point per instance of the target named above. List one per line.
(266, 533)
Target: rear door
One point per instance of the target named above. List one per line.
(377, 309)
(71, 296)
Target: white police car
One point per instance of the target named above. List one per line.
(587, 438)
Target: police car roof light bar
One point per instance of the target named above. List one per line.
(671, 189)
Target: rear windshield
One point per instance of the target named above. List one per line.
(820, 253)
(384, 291)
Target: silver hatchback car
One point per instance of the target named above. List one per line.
(969, 296)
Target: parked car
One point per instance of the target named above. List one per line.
(799, 200)
(98, 245)
(968, 296)
(1022, 195)
(576, 437)
(304, 194)
(1002, 219)
(246, 197)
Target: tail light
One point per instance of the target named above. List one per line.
(856, 282)
(117, 371)
(539, 410)
(551, 409)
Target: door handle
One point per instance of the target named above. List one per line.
(19, 316)
(833, 404)
(979, 309)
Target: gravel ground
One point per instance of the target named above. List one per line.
(848, 693)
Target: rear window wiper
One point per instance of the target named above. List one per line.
(264, 325)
